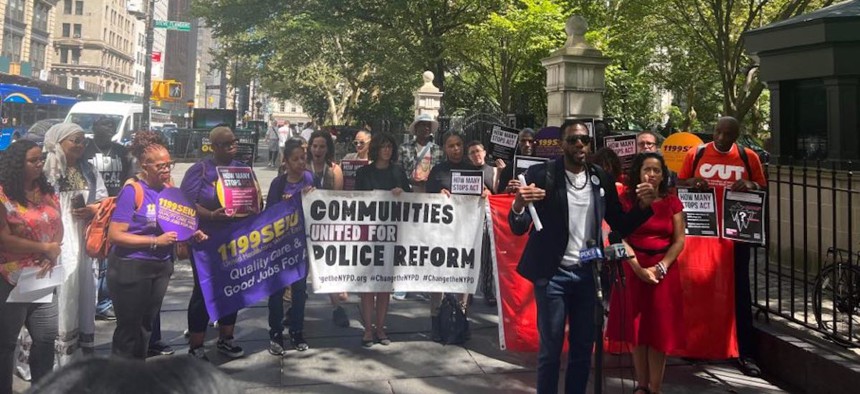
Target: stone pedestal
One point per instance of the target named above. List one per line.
(575, 77)
(428, 98)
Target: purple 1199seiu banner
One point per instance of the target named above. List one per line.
(247, 261)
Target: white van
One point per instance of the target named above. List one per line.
(127, 116)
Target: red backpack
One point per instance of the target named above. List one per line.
(98, 244)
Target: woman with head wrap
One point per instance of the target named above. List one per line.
(79, 186)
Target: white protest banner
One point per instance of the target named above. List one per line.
(373, 241)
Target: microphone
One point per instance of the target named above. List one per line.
(616, 249)
(618, 253)
(532, 210)
(591, 253)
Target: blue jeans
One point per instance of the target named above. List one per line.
(568, 295)
(297, 310)
(104, 301)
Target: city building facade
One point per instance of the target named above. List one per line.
(94, 43)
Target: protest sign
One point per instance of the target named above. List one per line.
(547, 143)
(700, 209)
(350, 168)
(624, 146)
(176, 213)
(743, 216)
(373, 241)
(503, 143)
(522, 163)
(237, 191)
(675, 148)
(247, 261)
(467, 182)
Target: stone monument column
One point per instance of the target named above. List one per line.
(575, 77)
(428, 98)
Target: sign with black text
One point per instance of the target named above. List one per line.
(624, 146)
(374, 241)
(700, 209)
(744, 216)
(467, 182)
(503, 143)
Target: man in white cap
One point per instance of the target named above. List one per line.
(419, 156)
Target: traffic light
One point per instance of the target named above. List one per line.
(174, 90)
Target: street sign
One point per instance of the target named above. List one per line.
(173, 25)
(156, 57)
(213, 87)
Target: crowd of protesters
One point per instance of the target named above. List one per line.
(49, 194)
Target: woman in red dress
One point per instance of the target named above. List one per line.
(646, 313)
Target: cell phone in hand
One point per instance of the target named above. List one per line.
(78, 201)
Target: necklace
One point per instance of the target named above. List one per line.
(573, 183)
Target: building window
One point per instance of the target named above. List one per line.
(15, 10)
(67, 30)
(67, 7)
(79, 8)
(76, 56)
(64, 56)
(283, 106)
(77, 30)
(40, 17)
(75, 82)
(37, 54)
(12, 46)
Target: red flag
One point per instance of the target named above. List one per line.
(518, 322)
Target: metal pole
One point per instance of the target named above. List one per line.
(147, 74)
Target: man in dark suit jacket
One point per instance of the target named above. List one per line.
(572, 207)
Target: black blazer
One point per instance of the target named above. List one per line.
(545, 249)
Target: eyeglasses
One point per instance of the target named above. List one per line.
(163, 166)
(226, 144)
(37, 161)
(77, 141)
(646, 144)
(573, 139)
(527, 142)
(359, 143)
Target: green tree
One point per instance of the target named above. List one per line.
(716, 26)
(502, 53)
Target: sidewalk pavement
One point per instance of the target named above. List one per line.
(337, 363)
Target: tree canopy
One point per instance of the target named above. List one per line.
(353, 61)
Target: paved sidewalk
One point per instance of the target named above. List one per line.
(337, 363)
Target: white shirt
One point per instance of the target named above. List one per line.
(283, 135)
(306, 134)
(580, 206)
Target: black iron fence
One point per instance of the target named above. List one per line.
(809, 271)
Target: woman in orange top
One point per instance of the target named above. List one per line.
(30, 225)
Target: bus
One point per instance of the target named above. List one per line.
(22, 106)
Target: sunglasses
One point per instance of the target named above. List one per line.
(227, 144)
(573, 139)
(359, 143)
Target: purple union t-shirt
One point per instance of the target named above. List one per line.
(141, 221)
